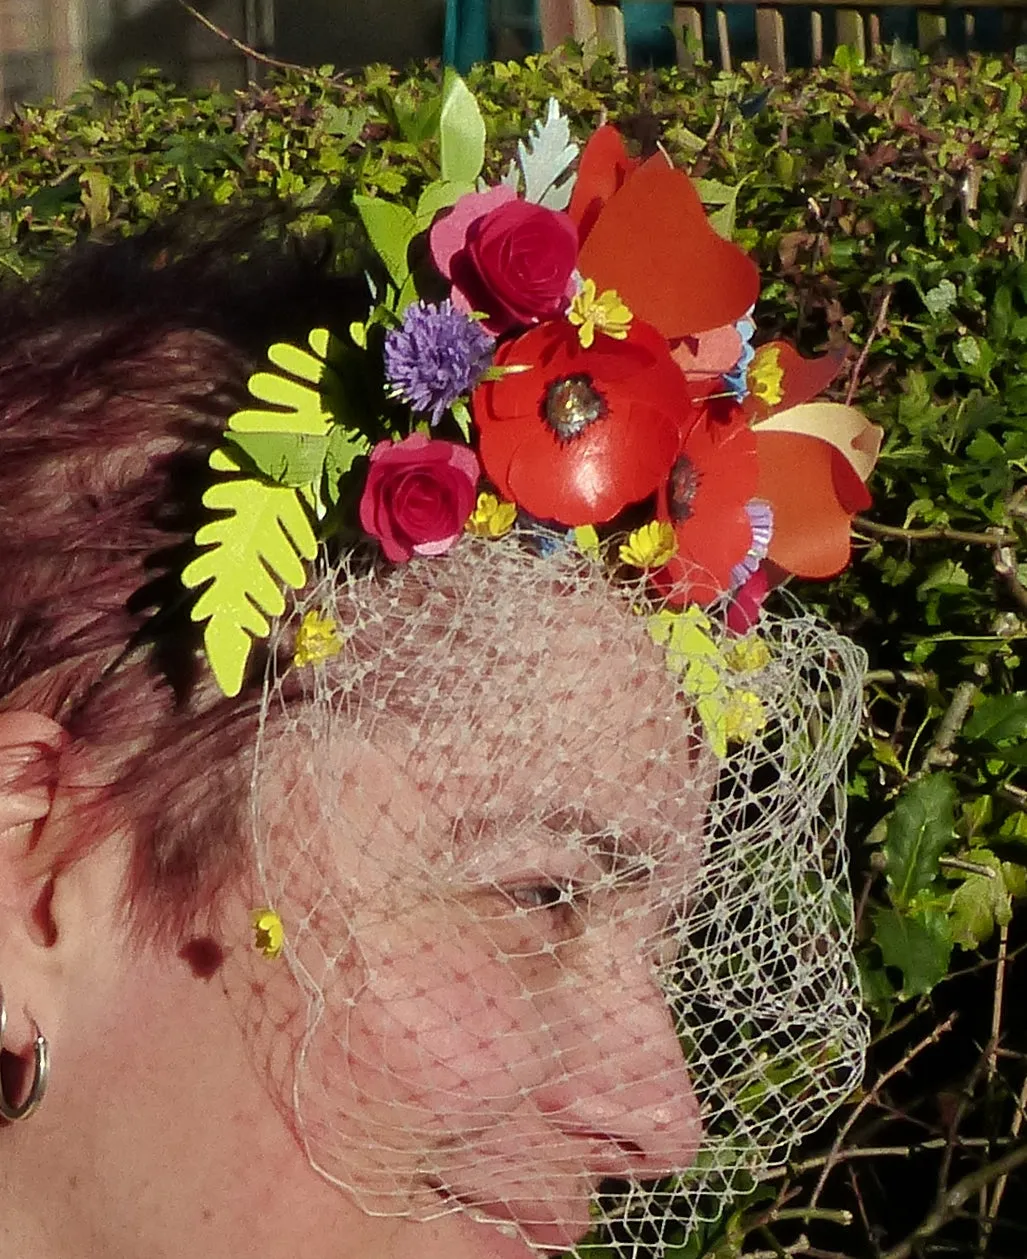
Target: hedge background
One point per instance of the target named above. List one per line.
(886, 205)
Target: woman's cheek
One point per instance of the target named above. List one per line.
(443, 1035)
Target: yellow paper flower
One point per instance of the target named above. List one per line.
(492, 517)
(317, 639)
(765, 376)
(651, 546)
(750, 655)
(268, 932)
(744, 716)
(605, 313)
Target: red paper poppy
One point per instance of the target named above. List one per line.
(582, 433)
(644, 232)
(713, 478)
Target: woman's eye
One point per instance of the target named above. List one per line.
(542, 895)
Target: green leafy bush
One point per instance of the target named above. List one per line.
(887, 206)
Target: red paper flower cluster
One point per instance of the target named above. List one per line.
(574, 428)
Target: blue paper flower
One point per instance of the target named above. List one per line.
(438, 355)
(737, 378)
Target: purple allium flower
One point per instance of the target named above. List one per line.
(436, 356)
(761, 518)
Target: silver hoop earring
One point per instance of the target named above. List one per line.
(39, 1081)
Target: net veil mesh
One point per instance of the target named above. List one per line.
(562, 967)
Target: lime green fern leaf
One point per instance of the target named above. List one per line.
(258, 546)
(297, 400)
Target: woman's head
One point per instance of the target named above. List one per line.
(513, 970)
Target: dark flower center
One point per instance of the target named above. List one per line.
(682, 489)
(571, 404)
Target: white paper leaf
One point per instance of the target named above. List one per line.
(545, 158)
(512, 176)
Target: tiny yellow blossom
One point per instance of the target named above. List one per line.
(749, 655)
(491, 518)
(605, 313)
(317, 639)
(268, 932)
(765, 375)
(744, 716)
(651, 546)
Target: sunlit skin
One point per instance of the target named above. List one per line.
(487, 938)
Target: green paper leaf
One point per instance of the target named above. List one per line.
(390, 227)
(287, 458)
(440, 195)
(461, 132)
(919, 830)
(919, 945)
(344, 448)
(713, 192)
(998, 718)
(297, 405)
(462, 415)
(251, 552)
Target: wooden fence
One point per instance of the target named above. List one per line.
(937, 23)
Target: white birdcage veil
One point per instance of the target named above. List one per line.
(562, 964)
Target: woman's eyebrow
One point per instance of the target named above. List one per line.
(611, 844)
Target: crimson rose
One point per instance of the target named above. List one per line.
(515, 262)
(418, 496)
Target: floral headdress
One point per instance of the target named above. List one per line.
(578, 356)
(572, 372)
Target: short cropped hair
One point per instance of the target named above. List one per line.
(118, 369)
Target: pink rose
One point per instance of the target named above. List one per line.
(508, 258)
(419, 495)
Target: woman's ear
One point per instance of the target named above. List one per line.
(30, 748)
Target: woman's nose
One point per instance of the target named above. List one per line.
(620, 1081)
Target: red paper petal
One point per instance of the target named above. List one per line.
(718, 533)
(803, 378)
(798, 478)
(712, 354)
(604, 165)
(653, 243)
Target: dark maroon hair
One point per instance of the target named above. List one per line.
(118, 370)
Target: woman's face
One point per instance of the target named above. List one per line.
(480, 845)
(481, 859)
